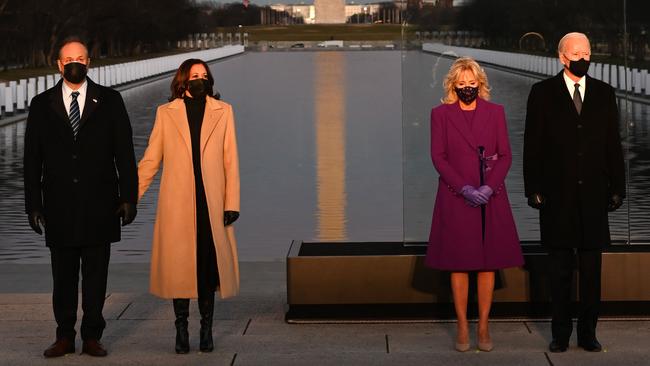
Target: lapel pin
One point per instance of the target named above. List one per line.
(94, 100)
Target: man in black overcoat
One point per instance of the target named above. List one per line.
(574, 174)
(80, 179)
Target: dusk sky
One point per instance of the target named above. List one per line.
(269, 2)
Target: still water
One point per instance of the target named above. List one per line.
(319, 137)
(333, 146)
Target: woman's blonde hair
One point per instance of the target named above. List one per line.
(465, 64)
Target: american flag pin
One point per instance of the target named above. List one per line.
(94, 100)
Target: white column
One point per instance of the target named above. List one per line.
(49, 81)
(20, 96)
(12, 85)
(621, 77)
(598, 71)
(636, 81)
(3, 90)
(31, 90)
(9, 100)
(40, 86)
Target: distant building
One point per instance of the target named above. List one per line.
(330, 11)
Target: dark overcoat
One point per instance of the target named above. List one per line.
(574, 160)
(79, 183)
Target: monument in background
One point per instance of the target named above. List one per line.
(330, 11)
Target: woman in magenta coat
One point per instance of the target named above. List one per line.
(472, 228)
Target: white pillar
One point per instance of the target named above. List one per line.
(40, 86)
(9, 100)
(49, 81)
(3, 90)
(20, 96)
(636, 81)
(31, 90)
(12, 85)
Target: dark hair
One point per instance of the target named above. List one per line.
(72, 39)
(182, 76)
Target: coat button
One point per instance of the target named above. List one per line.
(579, 126)
(74, 156)
(579, 182)
(75, 180)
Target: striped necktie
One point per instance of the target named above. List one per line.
(75, 116)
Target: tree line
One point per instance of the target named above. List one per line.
(31, 30)
(502, 23)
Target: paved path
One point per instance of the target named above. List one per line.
(250, 330)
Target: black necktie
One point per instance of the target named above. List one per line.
(75, 116)
(577, 101)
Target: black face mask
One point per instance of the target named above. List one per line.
(199, 88)
(75, 72)
(467, 94)
(579, 68)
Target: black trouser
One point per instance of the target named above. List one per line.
(65, 272)
(562, 264)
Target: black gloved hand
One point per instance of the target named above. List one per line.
(229, 217)
(127, 212)
(536, 201)
(36, 219)
(615, 201)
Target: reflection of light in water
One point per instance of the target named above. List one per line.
(330, 145)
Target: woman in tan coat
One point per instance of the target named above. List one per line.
(194, 250)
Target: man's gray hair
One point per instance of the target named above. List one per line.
(560, 45)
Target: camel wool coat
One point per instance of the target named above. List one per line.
(173, 258)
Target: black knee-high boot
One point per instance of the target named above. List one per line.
(182, 311)
(206, 308)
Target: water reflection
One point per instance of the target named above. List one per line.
(319, 138)
(330, 119)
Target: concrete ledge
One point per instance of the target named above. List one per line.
(371, 280)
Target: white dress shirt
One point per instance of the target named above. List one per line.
(571, 85)
(81, 98)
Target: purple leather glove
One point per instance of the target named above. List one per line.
(486, 190)
(473, 197)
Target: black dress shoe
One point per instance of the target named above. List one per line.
(59, 348)
(591, 345)
(557, 347)
(93, 348)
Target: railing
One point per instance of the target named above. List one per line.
(631, 80)
(16, 96)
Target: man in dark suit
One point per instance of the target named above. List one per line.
(574, 174)
(80, 179)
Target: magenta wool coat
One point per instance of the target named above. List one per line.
(456, 241)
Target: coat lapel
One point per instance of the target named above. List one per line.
(56, 103)
(458, 121)
(481, 121)
(179, 119)
(91, 103)
(586, 101)
(565, 97)
(211, 118)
